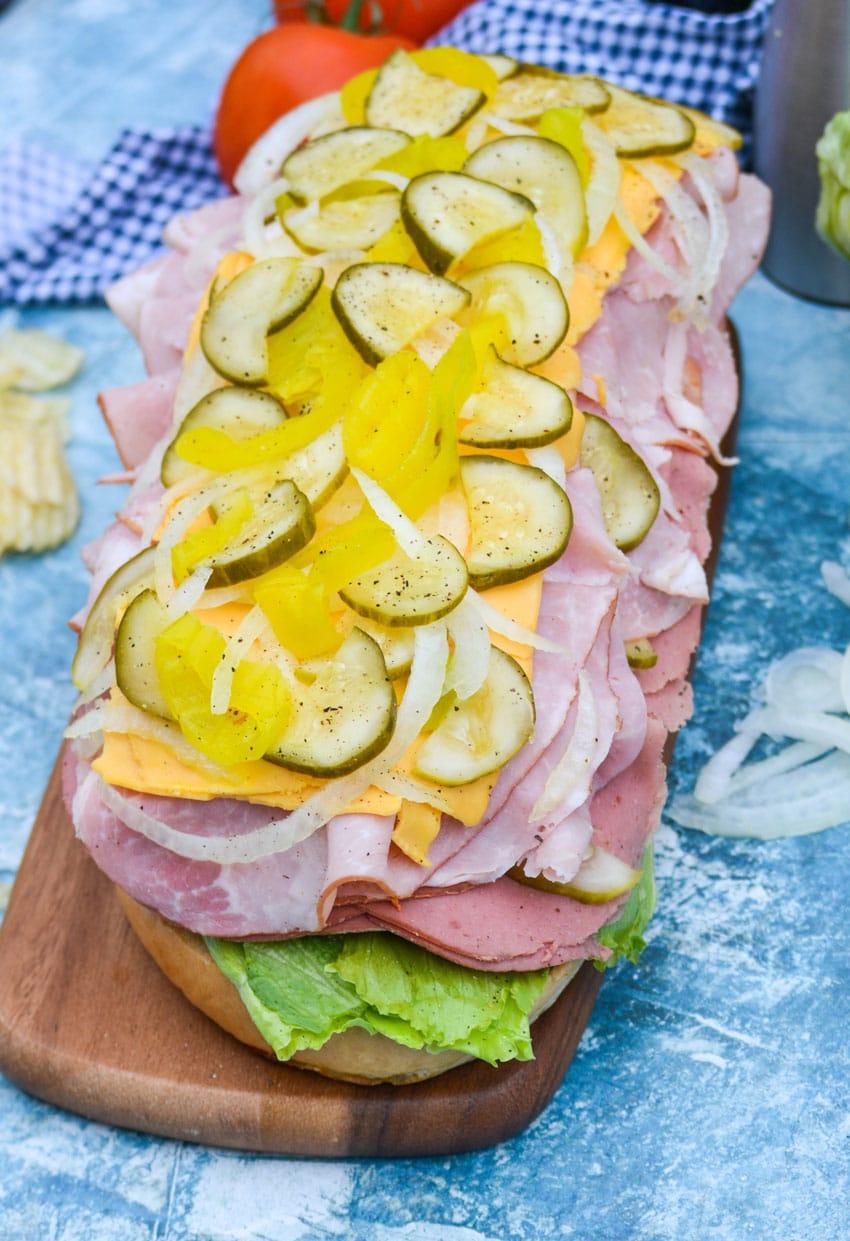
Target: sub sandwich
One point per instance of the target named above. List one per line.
(383, 649)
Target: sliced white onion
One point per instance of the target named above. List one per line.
(808, 679)
(550, 461)
(269, 151)
(237, 647)
(384, 174)
(718, 223)
(104, 680)
(424, 687)
(603, 186)
(504, 126)
(808, 799)
(553, 256)
(181, 518)
(220, 596)
(197, 379)
(817, 727)
(836, 581)
(685, 413)
(793, 756)
(255, 238)
(87, 724)
(470, 660)
(476, 134)
(714, 779)
(692, 230)
(407, 534)
(568, 784)
(499, 623)
(670, 274)
(187, 594)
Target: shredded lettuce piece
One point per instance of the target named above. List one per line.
(833, 152)
(624, 936)
(299, 992)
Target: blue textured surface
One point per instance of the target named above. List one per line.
(709, 1098)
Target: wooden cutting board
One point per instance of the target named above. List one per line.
(88, 1022)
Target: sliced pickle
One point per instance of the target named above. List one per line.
(601, 877)
(383, 306)
(629, 494)
(478, 736)
(281, 524)
(98, 634)
(410, 591)
(260, 300)
(717, 132)
(638, 127)
(520, 518)
(447, 213)
(345, 711)
(503, 66)
(135, 654)
(532, 303)
(543, 171)
(515, 409)
(349, 224)
(641, 654)
(419, 103)
(239, 412)
(530, 93)
(326, 163)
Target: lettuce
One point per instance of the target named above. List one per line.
(299, 992)
(833, 152)
(624, 936)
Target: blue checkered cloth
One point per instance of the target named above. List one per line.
(68, 231)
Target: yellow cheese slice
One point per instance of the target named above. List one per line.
(416, 828)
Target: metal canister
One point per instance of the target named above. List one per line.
(805, 80)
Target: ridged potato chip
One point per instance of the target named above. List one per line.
(39, 506)
(32, 361)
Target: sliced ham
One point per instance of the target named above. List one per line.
(749, 223)
(139, 414)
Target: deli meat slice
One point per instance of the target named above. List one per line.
(138, 415)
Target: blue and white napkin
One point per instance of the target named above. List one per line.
(68, 230)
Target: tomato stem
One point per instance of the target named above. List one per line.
(351, 20)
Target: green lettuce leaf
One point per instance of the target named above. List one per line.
(833, 152)
(624, 936)
(299, 992)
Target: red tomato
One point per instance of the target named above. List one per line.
(281, 69)
(417, 19)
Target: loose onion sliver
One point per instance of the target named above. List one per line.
(568, 784)
(254, 236)
(554, 258)
(793, 756)
(237, 647)
(470, 661)
(693, 232)
(101, 683)
(718, 223)
(836, 581)
(808, 679)
(196, 381)
(268, 152)
(797, 803)
(407, 534)
(713, 781)
(219, 596)
(424, 687)
(501, 624)
(815, 726)
(182, 516)
(603, 187)
(845, 679)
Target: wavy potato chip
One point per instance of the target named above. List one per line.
(33, 361)
(39, 505)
